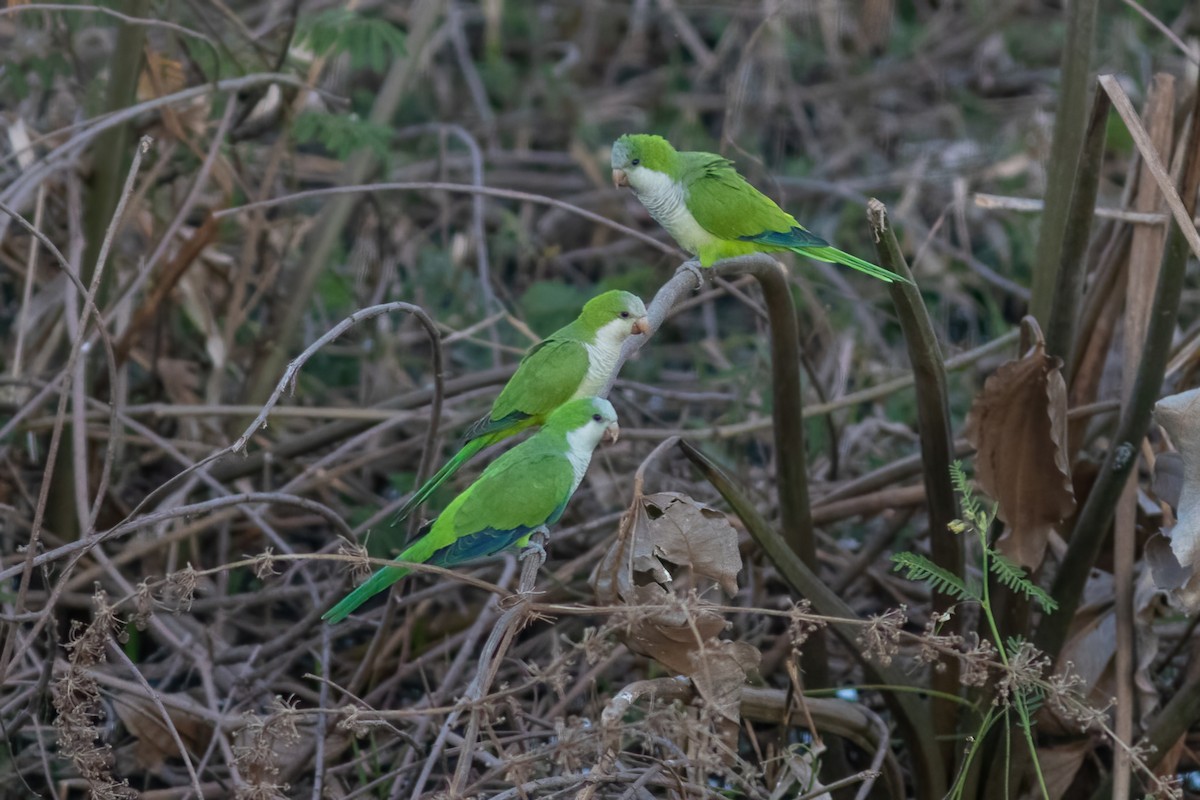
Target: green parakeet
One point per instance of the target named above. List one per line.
(712, 211)
(522, 491)
(575, 361)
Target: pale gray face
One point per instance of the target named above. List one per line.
(625, 164)
(601, 424)
(620, 154)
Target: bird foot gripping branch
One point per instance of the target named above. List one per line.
(537, 544)
(693, 266)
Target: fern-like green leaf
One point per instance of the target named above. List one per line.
(1010, 574)
(370, 41)
(958, 477)
(919, 568)
(342, 134)
(962, 485)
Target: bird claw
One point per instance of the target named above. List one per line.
(535, 544)
(693, 266)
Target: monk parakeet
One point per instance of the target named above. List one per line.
(575, 361)
(712, 211)
(522, 491)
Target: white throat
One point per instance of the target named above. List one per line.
(603, 353)
(666, 200)
(580, 444)
(659, 192)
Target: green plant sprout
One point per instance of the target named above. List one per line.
(1025, 697)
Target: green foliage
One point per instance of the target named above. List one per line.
(370, 41)
(970, 504)
(44, 70)
(336, 292)
(919, 568)
(978, 519)
(548, 305)
(1117, 138)
(342, 134)
(1010, 574)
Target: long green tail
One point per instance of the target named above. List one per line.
(381, 580)
(449, 468)
(834, 256)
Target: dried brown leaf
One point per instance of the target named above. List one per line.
(1091, 647)
(1179, 415)
(1018, 425)
(154, 742)
(670, 527)
(1060, 763)
(687, 534)
(1169, 574)
(676, 629)
(1168, 478)
(670, 630)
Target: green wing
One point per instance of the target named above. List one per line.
(520, 491)
(465, 454)
(547, 377)
(728, 207)
(528, 490)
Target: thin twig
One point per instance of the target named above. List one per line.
(436, 186)
(168, 723)
(1153, 162)
(60, 416)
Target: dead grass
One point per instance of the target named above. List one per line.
(179, 505)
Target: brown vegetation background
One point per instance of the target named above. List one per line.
(211, 404)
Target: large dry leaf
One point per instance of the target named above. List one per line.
(1018, 425)
(666, 622)
(145, 723)
(1168, 478)
(667, 527)
(1176, 568)
(1181, 584)
(1060, 763)
(1091, 648)
(1179, 415)
(687, 534)
(198, 305)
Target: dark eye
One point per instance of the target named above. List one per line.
(624, 315)
(597, 418)
(636, 161)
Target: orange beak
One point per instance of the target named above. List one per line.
(641, 325)
(612, 432)
(620, 178)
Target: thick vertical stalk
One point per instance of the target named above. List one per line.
(787, 408)
(110, 157)
(937, 454)
(1068, 287)
(911, 713)
(1064, 153)
(109, 163)
(1094, 518)
(1014, 611)
(1145, 257)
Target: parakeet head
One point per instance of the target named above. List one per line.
(637, 156)
(584, 422)
(614, 316)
